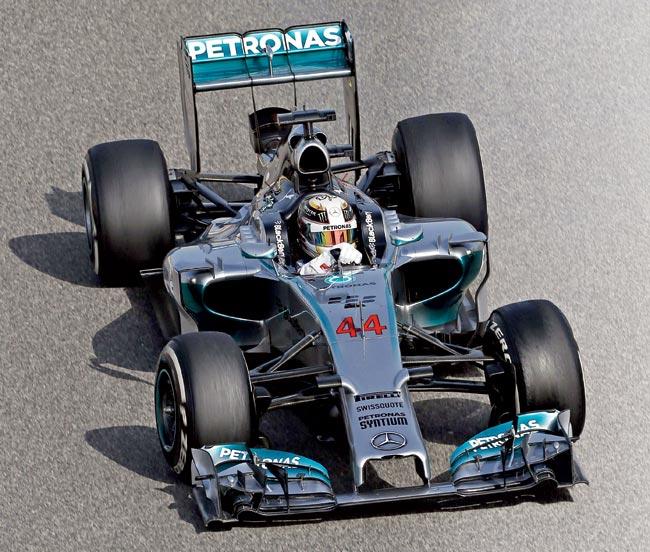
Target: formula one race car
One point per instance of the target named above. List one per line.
(322, 291)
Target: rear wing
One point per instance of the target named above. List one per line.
(265, 57)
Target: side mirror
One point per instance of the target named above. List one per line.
(470, 237)
(401, 235)
(256, 250)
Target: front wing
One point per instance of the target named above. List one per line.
(233, 483)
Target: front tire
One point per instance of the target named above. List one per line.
(441, 171)
(535, 338)
(202, 396)
(127, 209)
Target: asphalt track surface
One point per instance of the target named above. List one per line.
(559, 96)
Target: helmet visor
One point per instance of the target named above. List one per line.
(330, 238)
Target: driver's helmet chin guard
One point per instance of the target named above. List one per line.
(325, 221)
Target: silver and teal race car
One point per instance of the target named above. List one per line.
(248, 333)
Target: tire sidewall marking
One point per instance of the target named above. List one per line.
(500, 338)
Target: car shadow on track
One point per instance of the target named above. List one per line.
(451, 421)
(62, 255)
(127, 345)
(131, 342)
(136, 448)
(66, 205)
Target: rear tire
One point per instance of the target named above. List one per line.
(202, 396)
(127, 209)
(441, 171)
(535, 338)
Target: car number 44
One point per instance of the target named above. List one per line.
(370, 324)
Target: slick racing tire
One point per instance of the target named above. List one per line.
(535, 338)
(127, 209)
(441, 171)
(202, 396)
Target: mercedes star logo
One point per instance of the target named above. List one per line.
(388, 440)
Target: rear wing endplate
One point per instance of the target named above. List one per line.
(265, 57)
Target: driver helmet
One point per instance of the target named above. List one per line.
(325, 221)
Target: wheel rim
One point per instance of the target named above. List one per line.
(166, 411)
(89, 220)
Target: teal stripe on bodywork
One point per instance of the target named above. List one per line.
(192, 297)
